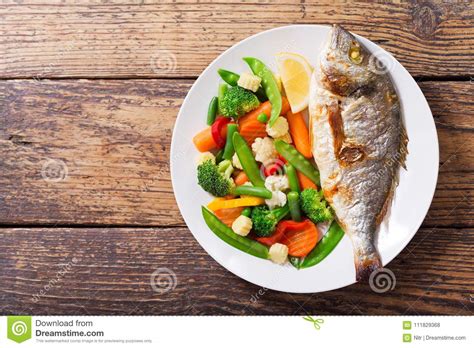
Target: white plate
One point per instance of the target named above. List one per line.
(412, 198)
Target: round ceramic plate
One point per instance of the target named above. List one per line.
(412, 197)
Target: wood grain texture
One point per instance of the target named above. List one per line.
(108, 271)
(165, 38)
(113, 136)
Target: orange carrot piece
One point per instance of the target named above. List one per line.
(302, 240)
(228, 216)
(250, 128)
(204, 140)
(241, 178)
(299, 133)
(305, 182)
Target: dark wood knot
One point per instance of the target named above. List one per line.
(426, 19)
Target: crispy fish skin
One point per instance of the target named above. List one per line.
(358, 140)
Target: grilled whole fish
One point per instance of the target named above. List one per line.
(358, 140)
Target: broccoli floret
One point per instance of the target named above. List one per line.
(314, 206)
(237, 101)
(215, 178)
(265, 220)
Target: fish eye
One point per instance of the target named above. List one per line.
(354, 53)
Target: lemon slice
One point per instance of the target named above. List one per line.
(295, 72)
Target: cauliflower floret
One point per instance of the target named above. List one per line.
(277, 183)
(278, 200)
(205, 156)
(242, 225)
(249, 81)
(279, 128)
(286, 138)
(236, 162)
(264, 149)
(278, 253)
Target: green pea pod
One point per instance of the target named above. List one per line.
(247, 161)
(232, 78)
(225, 233)
(269, 85)
(325, 246)
(252, 191)
(294, 204)
(229, 144)
(228, 76)
(220, 94)
(292, 178)
(297, 160)
(295, 261)
(212, 111)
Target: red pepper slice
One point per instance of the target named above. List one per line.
(216, 130)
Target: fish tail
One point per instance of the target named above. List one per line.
(367, 265)
(366, 259)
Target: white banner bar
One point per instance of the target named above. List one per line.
(238, 332)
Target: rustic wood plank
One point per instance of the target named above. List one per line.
(108, 271)
(139, 39)
(114, 138)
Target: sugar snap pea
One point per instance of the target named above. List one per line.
(232, 78)
(247, 212)
(229, 144)
(297, 160)
(247, 160)
(212, 111)
(225, 233)
(262, 118)
(292, 178)
(269, 85)
(252, 191)
(325, 246)
(294, 205)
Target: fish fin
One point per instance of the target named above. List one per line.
(403, 149)
(388, 201)
(367, 265)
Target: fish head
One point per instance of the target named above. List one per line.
(344, 63)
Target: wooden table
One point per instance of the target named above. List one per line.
(88, 97)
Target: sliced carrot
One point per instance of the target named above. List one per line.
(250, 128)
(204, 140)
(299, 133)
(305, 182)
(301, 239)
(228, 216)
(241, 178)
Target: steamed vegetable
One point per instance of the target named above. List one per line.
(230, 237)
(247, 161)
(292, 178)
(299, 133)
(237, 101)
(297, 160)
(229, 144)
(265, 220)
(269, 85)
(232, 79)
(228, 215)
(204, 141)
(241, 178)
(325, 246)
(304, 181)
(294, 205)
(215, 178)
(248, 190)
(221, 203)
(314, 206)
(300, 237)
(212, 111)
